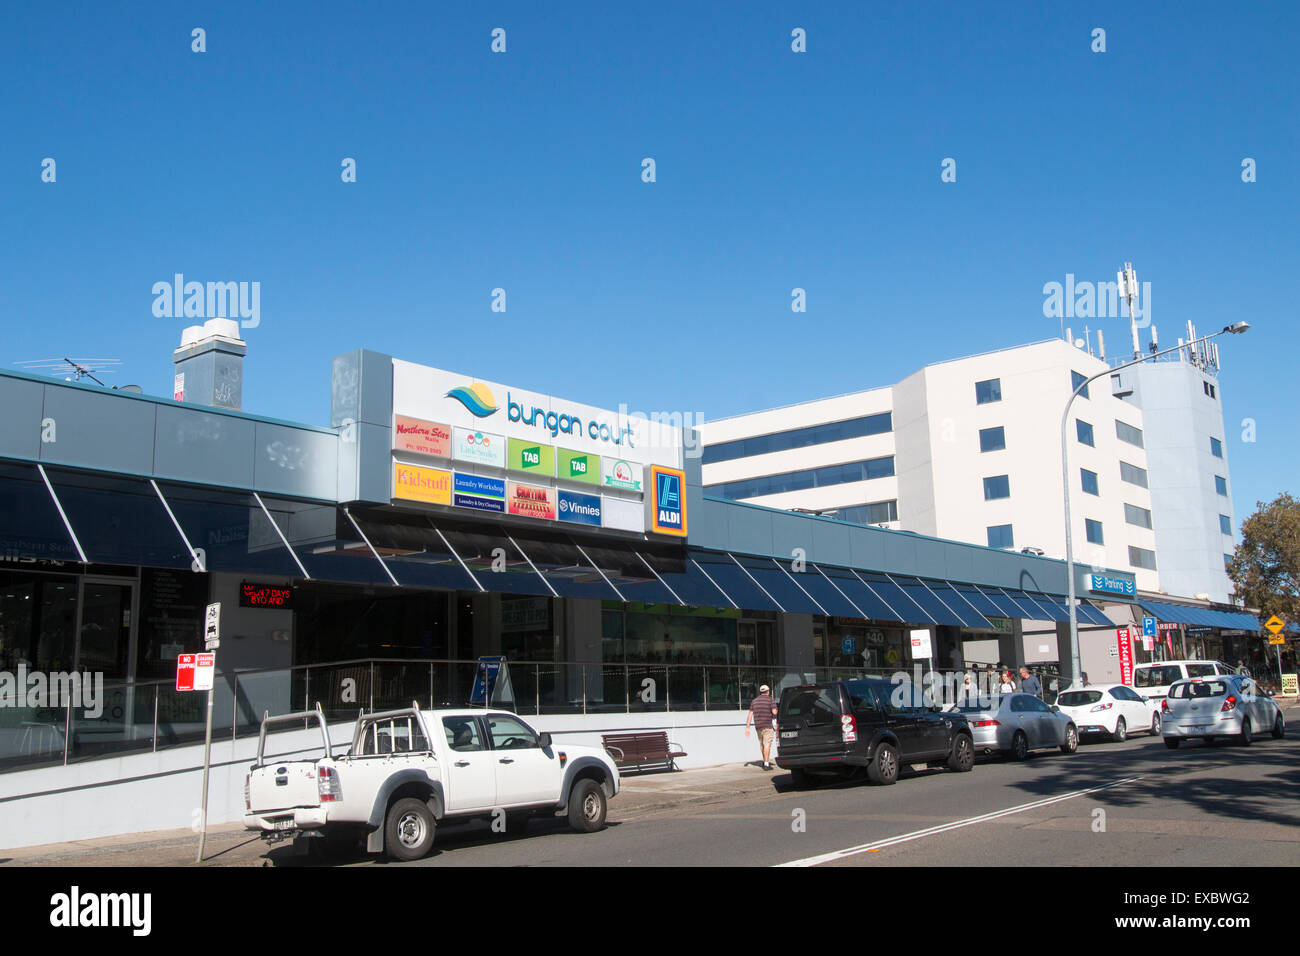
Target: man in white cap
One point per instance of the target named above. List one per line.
(761, 712)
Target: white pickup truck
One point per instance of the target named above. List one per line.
(408, 769)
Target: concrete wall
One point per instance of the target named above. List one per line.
(162, 791)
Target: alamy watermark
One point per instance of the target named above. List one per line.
(53, 691)
(213, 300)
(665, 430)
(1093, 300)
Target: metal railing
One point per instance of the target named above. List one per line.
(148, 716)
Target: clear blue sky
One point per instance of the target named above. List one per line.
(775, 170)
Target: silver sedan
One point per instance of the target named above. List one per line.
(1015, 724)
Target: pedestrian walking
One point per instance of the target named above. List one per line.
(1029, 684)
(967, 691)
(1008, 684)
(761, 713)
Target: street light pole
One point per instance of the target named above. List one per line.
(1076, 664)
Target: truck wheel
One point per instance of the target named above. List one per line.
(962, 757)
(587, 806)
(408, 829)
(884, 768)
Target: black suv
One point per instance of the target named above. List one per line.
(842, 728)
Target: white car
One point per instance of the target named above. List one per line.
(1152, 681)
(1112, 709)
(1223, 706)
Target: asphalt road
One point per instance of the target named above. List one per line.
(1131, 804)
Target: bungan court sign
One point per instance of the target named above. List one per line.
(496, 448)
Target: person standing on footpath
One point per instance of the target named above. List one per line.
(1030, 684)
(761, 712)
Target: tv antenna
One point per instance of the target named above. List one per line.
(81, 368)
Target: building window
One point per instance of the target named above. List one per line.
(1216, 448)
(1089, 481)
(1225, 524)
(1227, 562)
(1084, 431)
(988, 391)
(1209, 389)
(1142, 558)
(997, 487)
(993, 439)
(878, 512)
(800, 480)
(1221, 485)
(1000, 536)
(1128, 433)
(800, 437)
(1133, 474)
(1077, 379)
(1093, 530)
(1134, 515)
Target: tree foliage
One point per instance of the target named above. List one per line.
(1265, 569)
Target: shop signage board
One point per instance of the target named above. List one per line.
(421, 437)
(620, 473)
(534, 458)
(480, 492)
(530, 501)
(1290, 688)
(1124, 642)
(666, 502)
(255, 594)
(622, 514)
(579, 508)
(417, 483)
(578, 466)
(1001, 624)
(478, 447)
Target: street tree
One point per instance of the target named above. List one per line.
(1265, 568)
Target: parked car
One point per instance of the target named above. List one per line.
(843, 729)
(1015, 724)
(1229, 706)
(1111, 709)
(1152, 681)
(408, 770)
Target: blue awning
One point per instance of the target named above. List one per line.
(1200, 616)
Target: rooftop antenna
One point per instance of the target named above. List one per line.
(81, 368)
(1128, 288)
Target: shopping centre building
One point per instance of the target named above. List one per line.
(442, 517)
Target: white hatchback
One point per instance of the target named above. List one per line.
(1228, 706)
(1112, 709)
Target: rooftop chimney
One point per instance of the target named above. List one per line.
(210, 365)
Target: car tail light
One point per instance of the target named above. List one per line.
(248, 798)
(1230, 703)
(1101, 707)
(848, 728)
(986, 723)
(1164, 706)
(331, 791)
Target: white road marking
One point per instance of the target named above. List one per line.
(955, 825)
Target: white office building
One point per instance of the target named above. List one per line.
(970, 449)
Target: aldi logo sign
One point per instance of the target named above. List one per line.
(667, 501)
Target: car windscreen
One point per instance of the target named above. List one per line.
(1078, 698)
(1194, 690)
(1201, 670)
(1157, 676)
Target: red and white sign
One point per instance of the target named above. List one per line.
(425, 438)
(195, 671)
(178, 389)
(1125, 641)
(921, 649)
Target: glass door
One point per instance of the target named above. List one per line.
(104, 633)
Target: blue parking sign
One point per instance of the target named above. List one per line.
(1148, 627)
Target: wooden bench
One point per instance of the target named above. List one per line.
(639, 750)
